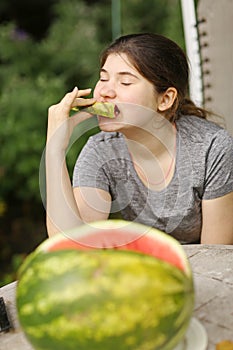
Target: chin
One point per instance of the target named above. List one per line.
(109, 125)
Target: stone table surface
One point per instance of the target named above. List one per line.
(212, 267)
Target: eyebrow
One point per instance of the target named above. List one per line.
(121, 73)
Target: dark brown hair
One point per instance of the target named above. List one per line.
(162, 62)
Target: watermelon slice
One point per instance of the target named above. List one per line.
(104, 109)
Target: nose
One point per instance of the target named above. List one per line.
(107, 91)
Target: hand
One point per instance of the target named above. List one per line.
(60, 124)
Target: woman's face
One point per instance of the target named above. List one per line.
(121, 84)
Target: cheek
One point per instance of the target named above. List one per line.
(148, 99)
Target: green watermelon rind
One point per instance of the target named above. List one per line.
(105, 109)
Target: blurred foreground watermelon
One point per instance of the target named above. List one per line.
(104, 286)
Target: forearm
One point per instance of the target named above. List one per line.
(61, 209)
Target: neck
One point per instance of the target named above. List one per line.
(146, 144)
(153, 155)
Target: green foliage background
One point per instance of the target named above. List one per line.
(35, 74)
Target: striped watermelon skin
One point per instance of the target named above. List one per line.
(71, 298)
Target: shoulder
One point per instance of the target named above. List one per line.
(208, 149)
(196, 125)
(202, 131)
(106, 144)
(204, 144)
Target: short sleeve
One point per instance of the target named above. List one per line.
(219, 166)
(89, 168)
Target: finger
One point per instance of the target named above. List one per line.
(84, 92)
(76, 93)
(70, 96)
(68, 100)
(83, 102)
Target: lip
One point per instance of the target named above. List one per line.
(105, 120)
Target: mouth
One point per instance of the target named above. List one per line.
(112, 112)
(116, 111)
(107, 110)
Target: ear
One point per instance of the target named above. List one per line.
(166, 100)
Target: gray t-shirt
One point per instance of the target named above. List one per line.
(204, 170)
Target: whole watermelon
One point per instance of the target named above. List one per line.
(105, 286)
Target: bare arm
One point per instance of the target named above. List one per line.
(218, 220)
(61, 208)
(93, 204)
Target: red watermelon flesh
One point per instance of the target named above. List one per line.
(123, 235)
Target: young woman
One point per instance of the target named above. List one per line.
(158, 162)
